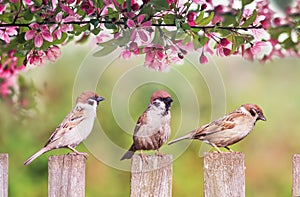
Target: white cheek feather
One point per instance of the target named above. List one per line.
(244, 111)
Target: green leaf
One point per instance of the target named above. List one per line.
(250, 20)
(180, 34)
(169, 19)
(185, 26)
(6, 17)
(229, 19)
(288, 43)
(96, 31)
(160, 5)
(128, 4)
(64, 36)
(199, 18)
(121, 41)
(105, 51)
(158, 37)
(28, 15)
(246, 2)
(206, 20)
(110, 26)
(196, 43)
(186, 40)
(95, 22)
(203, 40)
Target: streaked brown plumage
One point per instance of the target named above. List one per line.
(153, 126)
(229, 129)
(76, 126)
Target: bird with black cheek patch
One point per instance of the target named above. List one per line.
(229, 129)
(152, 129)
(76, 126)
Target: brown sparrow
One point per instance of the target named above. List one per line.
(76, 126)
(153, 126)
(229, 129)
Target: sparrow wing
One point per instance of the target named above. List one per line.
(75, 117)
(225, 123)
(141, 121)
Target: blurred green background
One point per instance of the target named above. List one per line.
(268, 149)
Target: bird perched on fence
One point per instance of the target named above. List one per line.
(229, 129)
(76, 126)
(152, 129)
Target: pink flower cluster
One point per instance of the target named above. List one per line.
(164, 35)
(8, 72)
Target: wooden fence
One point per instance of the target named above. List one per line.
(224, 175)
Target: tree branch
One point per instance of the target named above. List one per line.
(122, 23)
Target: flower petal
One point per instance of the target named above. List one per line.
(130, 23)
(141, 18)
(30, 34)
(47, 36)
(38, 41)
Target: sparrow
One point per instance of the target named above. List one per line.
(228, 130)
(76, 126)
(152, 129)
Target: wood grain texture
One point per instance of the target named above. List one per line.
(296, 175)
(3, 175)
(224, 175)
(66, 176)
(151, 177)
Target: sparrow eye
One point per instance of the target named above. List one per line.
(253, 112)
(156, 104)
(91, 101)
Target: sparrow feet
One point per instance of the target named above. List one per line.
(77, 152)
(159, 153)
(144, 157)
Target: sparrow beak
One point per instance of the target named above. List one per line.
(99, 98)
(262, 117)
(168, 100)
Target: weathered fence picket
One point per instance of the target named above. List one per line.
(224, 175)
(296, 175)
(151, 176)
(66, 176)
(3, 175)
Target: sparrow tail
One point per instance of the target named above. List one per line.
(33, 157)
(129, 153)
(185, 137)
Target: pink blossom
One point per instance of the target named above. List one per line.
(28, 2)
(6, 32)
(102, 38)
(203, 59)
(58, 29)
(36, 57)
(126, 54)
(155, 58)
(67, 9)
(88, 7)
(224, 42)
(222, 51)
(139, 31)
(39, 33)
(53, 53)
(2, 8)
(248, 54)
(191, 17)
(207, 49)
(257, 47)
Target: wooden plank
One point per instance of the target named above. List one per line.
(3, 175)
(152, 176)
(66, 176)
(224, 175)
(296, 175)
